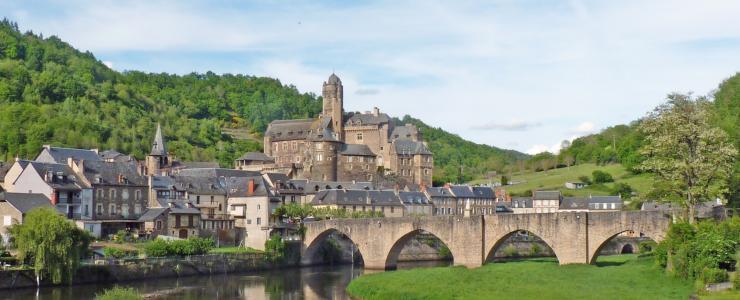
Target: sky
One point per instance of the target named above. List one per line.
(522, 75)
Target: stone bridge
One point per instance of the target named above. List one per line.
(575, 237)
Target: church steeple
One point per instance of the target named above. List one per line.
(157, 159)
(158, 146)
(333, 94)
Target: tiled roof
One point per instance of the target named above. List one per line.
(256, 156)
(356, 197)
(60, 155)
(546, 195)
(410, 147)
(24, 202)
(356, 150)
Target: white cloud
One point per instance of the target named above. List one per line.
(584, 128)
(509, 126)
(539, 148)
(108, 64)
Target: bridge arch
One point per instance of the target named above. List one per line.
(309, 255)
(606, 226)
(491, 251)
(391, 258)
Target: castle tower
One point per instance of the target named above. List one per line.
(157, 159)
(333, 95)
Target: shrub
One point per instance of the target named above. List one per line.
(601, 176)
(647, 247)
(275, 248)
(116, 252)
(191, 246)
(535, 250)
(585, 179)
(510, 251)
(622, 189)
(713, 275)
(156, 248)
(119, 293)
(445, 252)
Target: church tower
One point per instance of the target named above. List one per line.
(157, 159)
(333, 95)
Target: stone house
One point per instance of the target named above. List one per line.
(253, 161)
(444, 201)
(13, 208)
(356, 163)
(546, 201)
(117, 197)
(182, 219)
(58, 182)
(252, 202)
(60, 155)
(416, 203)
(385, 201)
(208, 194)
(605, 203)
(522, 205)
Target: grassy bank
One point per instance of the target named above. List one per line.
(616, 277)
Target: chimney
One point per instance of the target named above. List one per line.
(49, 176)
(250, 186)
(47, 147)
(54, 199)
(376, 111)
(95, 150)
(17, 158)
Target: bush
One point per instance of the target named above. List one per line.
(156, 248)
(117, 253)
(647, 247)
(713, 275)
(191, 246)
(601, 177)
(445, 252)
(535, 250)
(275, 248)
(119, 293)
(585, 179)
(622, 189)
(510, 251)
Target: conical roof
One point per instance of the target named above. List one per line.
(334, 79)
(158, 146)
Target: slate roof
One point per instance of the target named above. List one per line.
(216, 172)
(521, 202)
(70, 181)
(239, 187)
(256, 156)
(484, 192)
(406, 132)
(108, 172)
(199, 164)
(334, 79)
(276, 178)
(60, 154)
(546, 195)
(158, 146)
(356, 197)
(328, 185)
(439, 192)
(356, 150)
(24, 202)
(574, 203)
(359, 119)
(605, 199)
(462, 191)
(411, 147)
(285, 130)
(152, 213)
(202, 185)
(413, 198)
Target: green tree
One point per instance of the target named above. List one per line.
(601, 177)
(691, 159)
(51, 243)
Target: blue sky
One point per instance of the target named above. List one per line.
(522, 75)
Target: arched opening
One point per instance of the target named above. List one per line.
(623, 242)
(519, 244)
(418, 248)
(332, 247)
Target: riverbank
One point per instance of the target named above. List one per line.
(615, 277)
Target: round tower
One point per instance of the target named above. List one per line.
(333, 94)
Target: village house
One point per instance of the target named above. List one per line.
(416, 203)
(444, 201)
(546, 201)
(58, 182)
(252, 202)
(13, 208)
(385, 201)
(169, 204)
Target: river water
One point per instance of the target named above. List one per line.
(323, 282)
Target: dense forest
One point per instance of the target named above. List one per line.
(51, 93)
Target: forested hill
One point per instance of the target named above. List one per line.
(52, 93)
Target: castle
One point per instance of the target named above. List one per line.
(339, 146)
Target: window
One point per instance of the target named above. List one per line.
(392, 209)
(285, 146)
(219, 207)
(7, 220)
(295, 145)
(249, 221)
(349, 158)
(359, 136)
(112, 194)
(99, 209)
(197, 199)
(137, 209)
(190, 221)
(319, 146)
(87, 210)
(137, 195)
(426, 171)
(112, 209)
(319, 157)
(101, 193)
(259, 221)
(177, 221)
(159, 225)
(124, 210)
(297, 159)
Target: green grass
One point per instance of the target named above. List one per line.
(616, 277)
(555, 180)
(233, 250)
(724, 295)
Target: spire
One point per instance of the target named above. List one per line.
(158, 147)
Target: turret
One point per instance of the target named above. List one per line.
(333, 108)
(157, 159)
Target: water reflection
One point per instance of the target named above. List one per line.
(325, 282)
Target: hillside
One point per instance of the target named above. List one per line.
(51, 93)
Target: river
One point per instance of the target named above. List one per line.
(322, 282)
